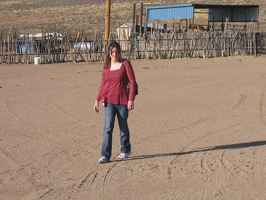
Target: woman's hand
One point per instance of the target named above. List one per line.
(96, 106)
(130, 105)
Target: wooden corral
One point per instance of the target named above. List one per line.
(152, 45)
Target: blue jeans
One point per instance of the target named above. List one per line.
(111, 111)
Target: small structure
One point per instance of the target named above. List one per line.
(216, 13)
(123, 31)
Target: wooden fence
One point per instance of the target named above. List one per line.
(55, 48)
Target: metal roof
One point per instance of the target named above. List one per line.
(181, 11)
(222, 6)
(217, 13)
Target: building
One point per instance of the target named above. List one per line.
(215, 13)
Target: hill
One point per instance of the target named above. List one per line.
(71, 15)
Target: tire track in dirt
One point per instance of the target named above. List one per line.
(209, 162)
(107, 176)
(51, 139)
(242, 100)
(97, 183)
(46, 193)
(198, 139)
(94, 181)
(40, 134)
(220, 159)
(216, 190)
(22, 170)
(89, 179)
(12, 114)
(12, 160)
(49, 104)
(8, 158)
(195, 122)
(261, 107)
(229, 164)
(62, 111)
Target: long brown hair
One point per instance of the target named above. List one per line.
(112, 45)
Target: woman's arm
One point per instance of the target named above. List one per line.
(99, 94)
(131, 79)
(103, 82)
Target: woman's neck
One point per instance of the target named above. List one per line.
(115, 65)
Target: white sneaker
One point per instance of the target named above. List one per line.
(103, 160)
(124, 155)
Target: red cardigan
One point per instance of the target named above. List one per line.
(113, 87)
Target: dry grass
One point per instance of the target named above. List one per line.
(67, 15)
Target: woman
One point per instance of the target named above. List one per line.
(117, 99)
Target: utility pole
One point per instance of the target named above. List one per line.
(141, 18)
(107, 24)
(134, 19)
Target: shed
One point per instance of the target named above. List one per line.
(216, 13)
(123, 31)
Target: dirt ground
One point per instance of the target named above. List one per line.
(198, 131)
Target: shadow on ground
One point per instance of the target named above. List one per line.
(228, 146)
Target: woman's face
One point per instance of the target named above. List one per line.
(114, 54)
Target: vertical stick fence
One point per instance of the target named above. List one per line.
(76, 47)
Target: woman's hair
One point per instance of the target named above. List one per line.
(111, 45)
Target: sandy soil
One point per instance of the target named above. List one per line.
(198, 131)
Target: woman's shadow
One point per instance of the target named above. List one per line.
(228, 146)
